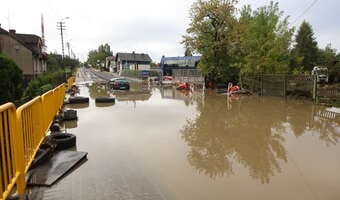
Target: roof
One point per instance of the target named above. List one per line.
(31, 41)
(111, 58)
(134, 57)
(3, 31)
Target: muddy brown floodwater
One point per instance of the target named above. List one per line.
(165, 144)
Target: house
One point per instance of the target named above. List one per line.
(132, 61)
(110, 64)
(25, 50)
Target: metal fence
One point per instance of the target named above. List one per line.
(11, 171)
(188, 75)
(283, 85)
(70, 82)
(22, 131)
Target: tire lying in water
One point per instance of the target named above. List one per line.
(78, 99)
(105, 100)
(70, 115)
(63, 140)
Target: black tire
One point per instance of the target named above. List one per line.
(64, 140)
(70, 115)
(55, 127)
(105, 100)
(78, 99)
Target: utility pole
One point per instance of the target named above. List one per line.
(68, 49)
(61, 26)
(44, 48)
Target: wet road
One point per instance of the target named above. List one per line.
(158, 143)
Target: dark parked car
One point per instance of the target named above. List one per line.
(119, 84)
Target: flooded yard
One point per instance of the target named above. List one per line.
(160, 143)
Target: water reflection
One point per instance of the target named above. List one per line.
(249, 131)
(137, 92)
(188, 97)
(99, 90)
(71, 124)
(78, 105)
(104, 104)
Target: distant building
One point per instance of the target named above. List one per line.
(25, 50)
(132, 61)
(110, 64)
(168, 64)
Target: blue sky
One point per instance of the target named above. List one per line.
(150, 26)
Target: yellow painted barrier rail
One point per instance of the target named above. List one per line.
(70, 82)
(11, 173)
(22, 130)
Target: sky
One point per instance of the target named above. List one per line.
(148, 26)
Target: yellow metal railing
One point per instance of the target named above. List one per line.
(22, 131)
(70, 82)
(11, 162)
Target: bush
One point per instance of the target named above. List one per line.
(11, 80)
(44, 83)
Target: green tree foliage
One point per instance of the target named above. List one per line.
(11, 80)
(338, 57)
(55, 62)
(265, 39)
(326, 56)
(43, 83)
(306, 46)
(211, 34)
(99, 54)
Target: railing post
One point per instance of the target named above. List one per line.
(315, 85)
(19, 157)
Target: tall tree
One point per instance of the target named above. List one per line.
(265, 40)
(306, 46)
(326, 56)
(211, 33)
(99, 54)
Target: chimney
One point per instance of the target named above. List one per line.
(11, 31)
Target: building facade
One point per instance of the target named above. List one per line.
(25, 50)
(168, 64)
(132, 61)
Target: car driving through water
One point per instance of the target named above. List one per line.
(119, 84)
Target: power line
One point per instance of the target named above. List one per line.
(305, 11)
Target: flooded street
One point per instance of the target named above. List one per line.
(159, 143)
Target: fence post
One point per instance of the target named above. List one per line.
(285, 85)
(241, 83)
(315, 85)
(261, 82)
